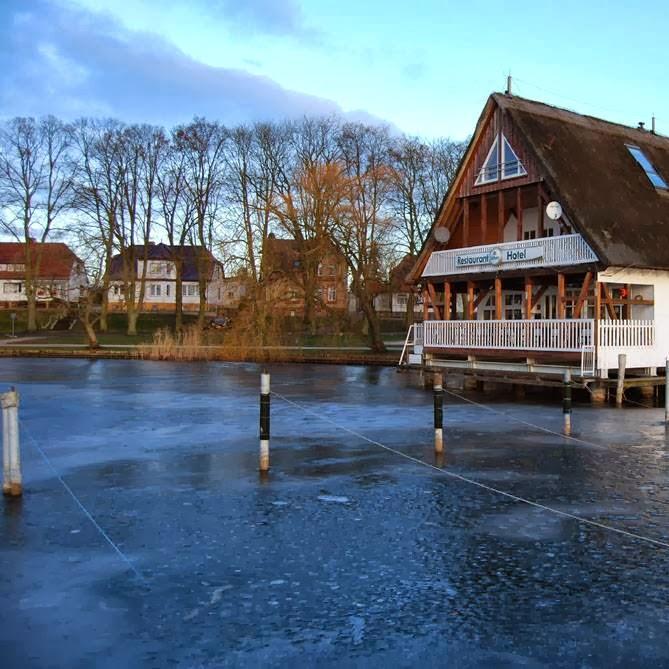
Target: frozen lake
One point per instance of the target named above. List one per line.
(347, 554)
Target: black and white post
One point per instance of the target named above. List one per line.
(264, 421)
(438, 414)
(566, 401)
(12, 484)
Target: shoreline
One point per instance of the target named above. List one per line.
(274, 354)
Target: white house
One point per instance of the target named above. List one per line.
(58, 273)
(160, 264)
(551, 248)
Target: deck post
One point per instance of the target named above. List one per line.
(264, 421)
(12, 484)
(620, 383)
(566, 402)
(438, 414)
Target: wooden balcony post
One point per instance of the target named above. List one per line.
(425, 304)
(540, 214)
(465, 223)
(447, 300)
(484, 219)
(519, 215)
(528, 298)
(500, 216)
(433, 298)
(561, 300)
(499, 307)
(470, 300)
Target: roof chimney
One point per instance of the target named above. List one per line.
(508, 85)
(652, 124)
(641, 125)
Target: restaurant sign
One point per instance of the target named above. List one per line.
(497, 256)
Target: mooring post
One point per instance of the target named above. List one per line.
(438, 414)
(566, 401)
(264, 421)
(620, 384)
(12, 484)
(666, 392)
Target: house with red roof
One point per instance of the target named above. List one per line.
(59, 273)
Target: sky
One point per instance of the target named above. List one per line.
(423, 67)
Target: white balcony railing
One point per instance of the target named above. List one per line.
(544, 252)
(627, 334)
(525, 335)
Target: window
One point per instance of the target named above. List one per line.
(190, 290)
(500, 163)
(332, 294)
(11, 288)
(647, 166)
(167, 290)
(401, 299)
(530, 234)
(154, 289)
(12, 267)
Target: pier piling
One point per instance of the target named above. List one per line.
(620, 385)
(438, 414)
(12, 484)
(566, 402)
(264, 421)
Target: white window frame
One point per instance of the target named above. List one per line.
(332, 294)
(647, 166)
(501, 175)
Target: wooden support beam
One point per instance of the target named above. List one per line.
(470, 300)
(465, 222)
(519, 214)
(426, 305)
(499, 307)
(500, 216)
(540, 213)
(561, 302)
(484, 218)
(447, 300)
(608, 301)
(538, 295)
(528, 298)
(483, 293)
(627, 308)
(583, 295)
(433, 298)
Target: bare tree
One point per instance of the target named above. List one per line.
(362, 231)
(202, 143)
(177, 216)
(98, 199)
(36, 178)
(144, 147)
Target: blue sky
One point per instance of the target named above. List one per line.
(425, 67)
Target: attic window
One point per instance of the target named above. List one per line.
(647, 166)
(500, 163)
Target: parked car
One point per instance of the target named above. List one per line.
(219, 323)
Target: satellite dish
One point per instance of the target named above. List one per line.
(554, 210)
(442, 235)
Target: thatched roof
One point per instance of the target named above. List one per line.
(605, 192)
(587, 166)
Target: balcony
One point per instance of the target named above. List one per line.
(565, 250)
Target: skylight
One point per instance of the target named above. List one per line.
(647, 166)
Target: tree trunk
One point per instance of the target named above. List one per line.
(411, 303)
(133, 315)
(202, 312)
(375, 338)
(179, 298)
(32, 307)
(88, 326)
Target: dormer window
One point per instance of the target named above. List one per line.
(500, 163)
(647, 166)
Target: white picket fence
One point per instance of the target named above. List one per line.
(627, 333)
